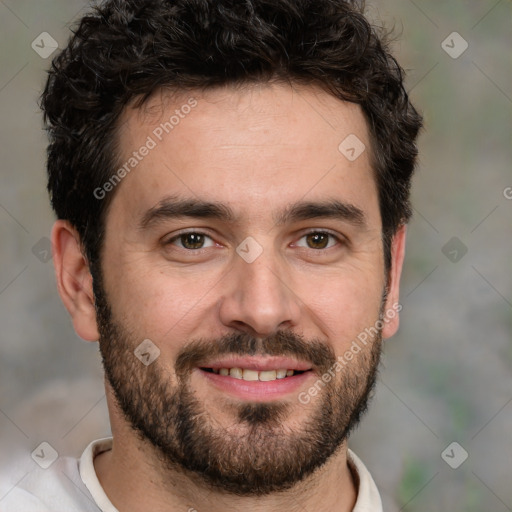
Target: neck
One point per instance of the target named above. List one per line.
(135, 480)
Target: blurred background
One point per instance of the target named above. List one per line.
(438, 435)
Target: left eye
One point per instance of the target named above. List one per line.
(318, 240)
(192, 241)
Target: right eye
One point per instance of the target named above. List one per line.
(191, 240)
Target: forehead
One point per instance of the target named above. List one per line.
(252, 147)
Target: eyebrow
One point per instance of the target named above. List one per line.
(172, 207)
(333, 209)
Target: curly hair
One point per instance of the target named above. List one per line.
(125, 50)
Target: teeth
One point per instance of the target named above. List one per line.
(254, 375)
(236, 373)
(268, 375)
(281, 374)
(250, 375)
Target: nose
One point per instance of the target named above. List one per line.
(259, 298)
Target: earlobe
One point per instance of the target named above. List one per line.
(74, 280)
(392, 307)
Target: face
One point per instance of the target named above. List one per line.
(247, 248)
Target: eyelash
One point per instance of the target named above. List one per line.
(312, 232)
(178, 236)
(336, 238)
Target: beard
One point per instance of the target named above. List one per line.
(257, 454)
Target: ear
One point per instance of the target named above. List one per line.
(74, 280)
(392, 306)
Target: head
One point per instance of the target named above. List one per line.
(198, 166)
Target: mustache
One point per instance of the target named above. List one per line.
(283, 343)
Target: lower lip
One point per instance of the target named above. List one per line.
(258, 390)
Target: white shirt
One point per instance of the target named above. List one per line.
(71, 485)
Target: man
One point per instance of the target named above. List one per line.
(231, 181)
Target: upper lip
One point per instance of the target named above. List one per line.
(258, 363)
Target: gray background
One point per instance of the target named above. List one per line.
(446, 376)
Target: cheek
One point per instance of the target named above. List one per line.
(164, 306)
(346, 305)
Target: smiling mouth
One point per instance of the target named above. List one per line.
(254, 375)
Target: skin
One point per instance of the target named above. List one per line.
(256, 149)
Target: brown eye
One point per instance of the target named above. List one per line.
(192, 241)
(317, 240)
